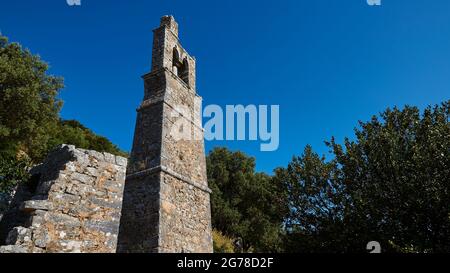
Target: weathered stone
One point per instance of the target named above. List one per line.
(121, 161)
(92, 171)
(110, 158)
(63, 199)
(167, 207)
(38, 218)
(164, 173)
(79, 189)
(41, 238)
(96, 155)
(62, 219)
(107, 227)
(81, 158)
(32, 205)
(19, 235)
(106, 203)
(71, 167)
(37, 250)
(114, 186)
(79, 199)
(14, 249)
(71, 246)
(83, 178)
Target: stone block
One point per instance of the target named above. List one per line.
(83, 178)
(121, 161)
(33, 205)
(18, 236)
(110, 158)
(41, 238)
(106, 227)
(13, 249)
(96, 155)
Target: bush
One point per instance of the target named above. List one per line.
(12, 172)
(222, 243)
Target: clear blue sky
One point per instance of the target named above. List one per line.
(326, 63)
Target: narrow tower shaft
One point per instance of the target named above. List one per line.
(166, 204)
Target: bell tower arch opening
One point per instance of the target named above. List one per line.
(180, 67)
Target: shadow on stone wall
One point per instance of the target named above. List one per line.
(72, 203)
(28, 190)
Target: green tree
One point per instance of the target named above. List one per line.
(245, 205)
(74, 133)
(315, 199)
(29, 115)
(12, 171)
(29, 106)
(390, 184)
(396, 174)
(222, 243)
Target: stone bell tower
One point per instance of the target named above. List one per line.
(166, 203)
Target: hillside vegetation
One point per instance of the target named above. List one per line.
(30, 124)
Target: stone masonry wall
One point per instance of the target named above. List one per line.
(184, 218)
(75, 205)
(166, 205)
(139, 225)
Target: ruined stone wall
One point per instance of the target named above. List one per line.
(74, 206)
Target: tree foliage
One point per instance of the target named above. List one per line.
(390, 184)
(397, 177)
(29, 105)
(30, 125)
(74, 133)
(315, 203)
(245, 205)
(222, 243)
(12, 171)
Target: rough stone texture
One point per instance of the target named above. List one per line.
(73, 205)
(13, 215)
(166, 206)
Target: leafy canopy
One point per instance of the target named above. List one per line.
(30, 125)
(245, 205)
(390, 184)
(29, 105)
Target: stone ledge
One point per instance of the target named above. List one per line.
(170, 172)
(33, 205)
(151, 102)
(13, 249)
(165, 69)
